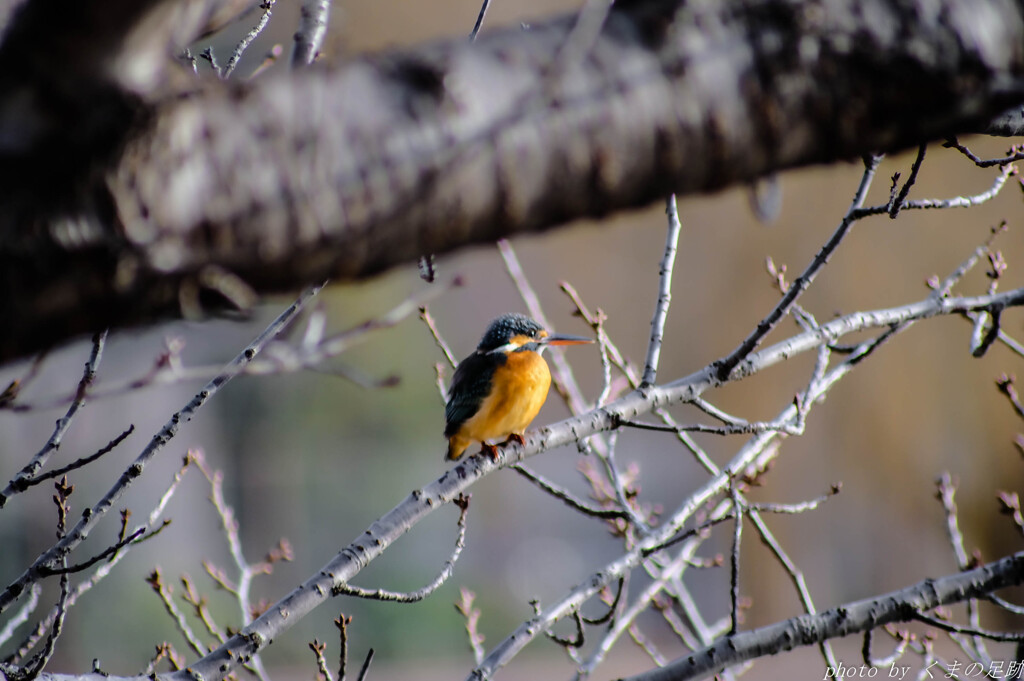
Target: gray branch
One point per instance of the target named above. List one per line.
(898, 606)
(344, 171)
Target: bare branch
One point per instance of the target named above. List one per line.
(462, 501)
(93, 515)
(404, 137)
(366, 665)
(903, 638)
(479, 20)
(563, 495)
(1014, 154)
(859, 616)
(243, 44)
(441, 344)
(562, 377)
(164, 591)
(794, 573)
(102, 571)
(22, 615)
(956, 629)
(941, 204)
(734, 561)
(318, 649)
(465, 608)
(897, 202)
(313, 18)
(310, 354)
(20, 481)
(664, 293)
(79, 463)
(342, 622)
(65, 569)
(801, 283)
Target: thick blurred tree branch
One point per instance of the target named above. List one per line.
(134, 193)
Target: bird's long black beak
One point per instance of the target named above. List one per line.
(564, 339)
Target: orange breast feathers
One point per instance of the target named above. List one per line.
(518, 391)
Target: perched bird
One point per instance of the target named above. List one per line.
(499, 389)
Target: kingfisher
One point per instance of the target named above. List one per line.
(499, 389)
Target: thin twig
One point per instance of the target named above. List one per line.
(190, 59)
(318, 649)
(479, 20)
(562, 376)
(66, 569)
(82, 529)
(465, 608)
(441, 344)
(942, 288)
(37, 664)
(736, 429)
(595, 321)
(957, 629)
(17, 386)
(577, 641)
(896, 205)
(646, 645)
(565, 496)
(103, 570)
(802, 283)
(615, 477)
(366, 666)
(1005, 384)
(164, 650)
(795, 575)
(269, 59)
(846, 619)
(79, 463)
(22, 615)
(891, 659)
(20, 482)
(414, 596)
(664, 293)
(191, 596)
(342, 622)
(267, 6)
(946, 495)
(734, 561)
(210, 57)
(939, 204)
(792, 509)
(164, 591)
(279, 356)
(603, 344)
(1014, 154)
(612, 607)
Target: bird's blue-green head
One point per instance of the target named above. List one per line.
(512, 332)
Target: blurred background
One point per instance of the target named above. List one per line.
(315, 458)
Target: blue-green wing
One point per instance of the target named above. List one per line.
(470, 386)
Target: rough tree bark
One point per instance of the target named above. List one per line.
(133, 193)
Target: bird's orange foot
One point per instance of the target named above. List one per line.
(515, 437)
(489, 450)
